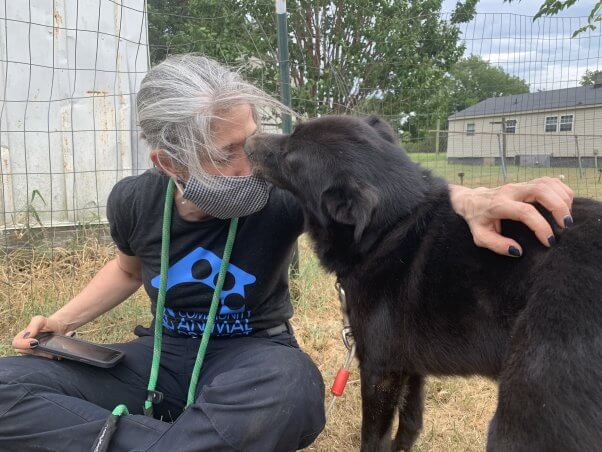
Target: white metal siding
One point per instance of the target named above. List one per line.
(530, 137)
(69, 72)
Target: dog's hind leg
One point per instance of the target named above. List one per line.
(381, 391)
(550, 397)
(411, 408)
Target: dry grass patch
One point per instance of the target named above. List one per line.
(40, 281)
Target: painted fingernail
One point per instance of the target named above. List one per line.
(33, 343)
(552, 240)
(26, 335)
(568, 221)
(513, 251)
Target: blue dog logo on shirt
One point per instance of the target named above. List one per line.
(181, 272)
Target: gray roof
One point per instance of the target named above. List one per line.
(544, 100)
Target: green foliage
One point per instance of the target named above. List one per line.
(29, 211)
(466, 9)
(464, 12)
(381, 56)
(551, 7)
(473, 80)
(589, 77)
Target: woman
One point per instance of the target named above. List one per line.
(258, 391)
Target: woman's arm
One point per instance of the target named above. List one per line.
(112, 285)
(484, 208)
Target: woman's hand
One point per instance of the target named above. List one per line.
(25, 340)
(115, 282)
(484, 208)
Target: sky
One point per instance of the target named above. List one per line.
(541, 52)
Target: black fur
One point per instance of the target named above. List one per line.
(424, 300)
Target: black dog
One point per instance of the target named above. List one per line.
(424, 300)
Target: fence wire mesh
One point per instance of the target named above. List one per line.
(481, 101)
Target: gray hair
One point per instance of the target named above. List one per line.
(179, 98)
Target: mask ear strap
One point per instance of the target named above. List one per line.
(178, 182)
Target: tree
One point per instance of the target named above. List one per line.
(388, 56)
(472, 80)
(589, 78)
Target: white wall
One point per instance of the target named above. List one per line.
(69, 72)
(530, 137)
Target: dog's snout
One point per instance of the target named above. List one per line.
(261, 144)
(250, 144)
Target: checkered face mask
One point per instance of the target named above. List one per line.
(228, 196)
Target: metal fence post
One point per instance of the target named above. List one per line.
(283, 63)
(285, 91)
(579, 157)
(438, 126)
(501, 142)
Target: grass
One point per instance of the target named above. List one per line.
(458, 410)
(590, 185)
(39, 282)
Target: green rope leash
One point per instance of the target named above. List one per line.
(153, 396)
(120, 410)
(200, 357)
(102, 442)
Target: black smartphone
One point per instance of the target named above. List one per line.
(78, 350)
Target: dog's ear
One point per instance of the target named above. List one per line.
(351, 205)
(383, 128)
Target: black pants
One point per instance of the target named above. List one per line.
(254, 394)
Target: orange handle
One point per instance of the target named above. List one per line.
(340, 381)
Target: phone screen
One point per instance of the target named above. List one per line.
(79, 348)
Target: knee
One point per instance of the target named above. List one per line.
(301, 394)
(284, 391)
(10, 369)
(25, 369)
(13, 376)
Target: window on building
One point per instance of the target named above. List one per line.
(470, 128)
(566, 123)
(511, 126)
(552, 124)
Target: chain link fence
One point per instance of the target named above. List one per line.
(480, 100)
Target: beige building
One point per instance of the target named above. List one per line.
(548, 128)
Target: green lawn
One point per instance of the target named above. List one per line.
(491, 176)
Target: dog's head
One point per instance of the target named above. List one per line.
(345, 171)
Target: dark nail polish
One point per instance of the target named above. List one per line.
(33, 343)
(26, 335)
(513, 251)
(568, 221)
(552, 240)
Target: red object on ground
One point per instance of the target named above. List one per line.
(340, 382)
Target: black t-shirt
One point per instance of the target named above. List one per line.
(255, 295)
